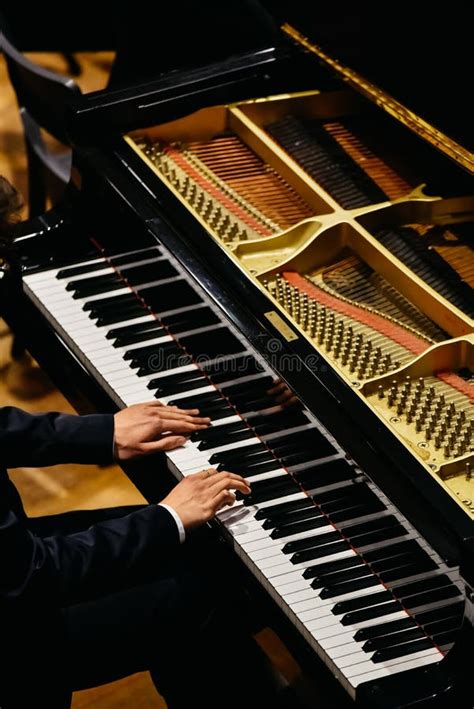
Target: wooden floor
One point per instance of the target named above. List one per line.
(53, 490)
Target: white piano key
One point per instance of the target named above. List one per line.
(254, 544)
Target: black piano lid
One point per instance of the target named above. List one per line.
(418, 55)
(417, 52)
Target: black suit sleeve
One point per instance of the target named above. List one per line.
(78, 566)
(49, 439)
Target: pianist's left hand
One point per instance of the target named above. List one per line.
(151, 427)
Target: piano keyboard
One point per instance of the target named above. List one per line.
(362, 586)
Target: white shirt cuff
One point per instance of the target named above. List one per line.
(177, 519)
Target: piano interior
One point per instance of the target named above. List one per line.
(315, 222)
(324, 203)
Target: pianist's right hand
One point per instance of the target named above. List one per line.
(197, 498)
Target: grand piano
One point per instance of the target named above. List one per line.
(277, 214)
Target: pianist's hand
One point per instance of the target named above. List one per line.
(282, 394)
(198, 497)
(151, 427)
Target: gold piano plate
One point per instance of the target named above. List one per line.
(429, 404)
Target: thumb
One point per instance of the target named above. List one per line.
(167, 443)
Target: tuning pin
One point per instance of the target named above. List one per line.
(391, 396)
(380, 393)
(468, 471)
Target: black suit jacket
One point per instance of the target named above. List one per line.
(39, 575)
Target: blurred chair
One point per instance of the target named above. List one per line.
(42, 99)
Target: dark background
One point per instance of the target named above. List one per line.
(420, 52)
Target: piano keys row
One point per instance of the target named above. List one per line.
(364, 588)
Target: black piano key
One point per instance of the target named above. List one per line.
(339, 589)
(217, 413)
(443, 626)
(328, 473)
(382, 522)
(440, 632)
(383, 629)
(404, 547)
(380, 535)
(133, 329)
(310, 542)
(330, 567)
(394, 639)
(355, 511)
(402, 650)
(297, 527)
(356, 572)
(212, 407)
(273, 483)
(393, 564)
(212, 344)
(89, 287)
(115, 311)
(238, 453)
(319, 552)
(293, 517)
(135, 256)
(355, 493)
(257, 468)
(170, 296)
(357, 499)
(350, 533)
(178, 379)
(190, 319)
(84, 284)
(312, 439)
(284, 507)
(247, 407)
(371, 612)
(438, 594)
(260, 384)
(169, 390)
(88, 267)
(226, 439)
(452, 609)
(159, 363)
(157, 359)
(140, 336)
(139, 353)
(407, 559)
(148, 272)
(444, 640)
(265, 425)
(272, 493)
(232, 367)
(410, 589)
(400, 572)
(338, 494)
(292, 458)
(355, 604)
(110, 303)
(193, 402)
(134, 311)
(217, 431)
